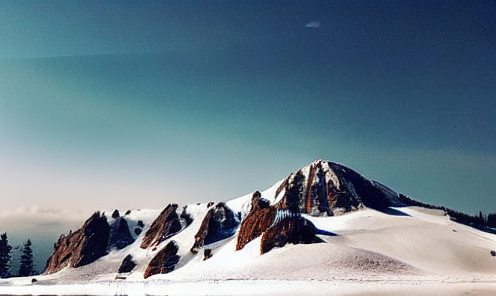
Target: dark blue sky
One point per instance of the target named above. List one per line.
(133, 104)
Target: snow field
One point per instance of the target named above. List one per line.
(374, 254)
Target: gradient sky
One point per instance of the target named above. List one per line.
(135, 104)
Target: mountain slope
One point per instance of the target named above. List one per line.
(322, 221)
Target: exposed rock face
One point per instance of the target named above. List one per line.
(127, 264)
(166, 225)
(164, 262)
(207, 254)
(120, 237)
(325, 188)
(321, 189)
(116, 214)
(82, 247)
(278, 224)
(187, 218)
(370, 193)
(219, 223)
(294, 230)
(256, 221)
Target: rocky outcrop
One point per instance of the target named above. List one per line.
(207, 254)
(293, 230)
(81, 247)
(164, 262)
(120, 236)
(115, 214)
(278, 224)
(321, 189)
(325, 188)
(258, 220)
(219, 223)
(166, 225)
(127, 265)
(359, 189)
(139, 227)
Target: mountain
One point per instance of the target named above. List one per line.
(322, 221)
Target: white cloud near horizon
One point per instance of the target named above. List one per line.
(35, 220)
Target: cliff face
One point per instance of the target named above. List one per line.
(164, 262)
(293, 230)
(166, 225)
(326, 188)
(258, 220)
(219, 223)
(82, 247)
(322, 188)
(120, 236)
(278, 224)
(93, 240)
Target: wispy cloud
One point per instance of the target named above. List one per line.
(314, 24)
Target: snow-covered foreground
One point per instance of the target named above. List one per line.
(412, 286)
(415, 252)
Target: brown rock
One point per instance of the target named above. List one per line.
(164, 262)
(201, 234)
(294, 230)
(219, 223)
(278, 224)
(325, 188)
(81, 247)
(308, 195)
(255, 222)
(127, 265)
(207, 254)
(166, 225)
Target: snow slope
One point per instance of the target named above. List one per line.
(379, 250)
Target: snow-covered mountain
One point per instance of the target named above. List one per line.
(323, 222)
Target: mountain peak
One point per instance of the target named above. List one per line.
(325, 188)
